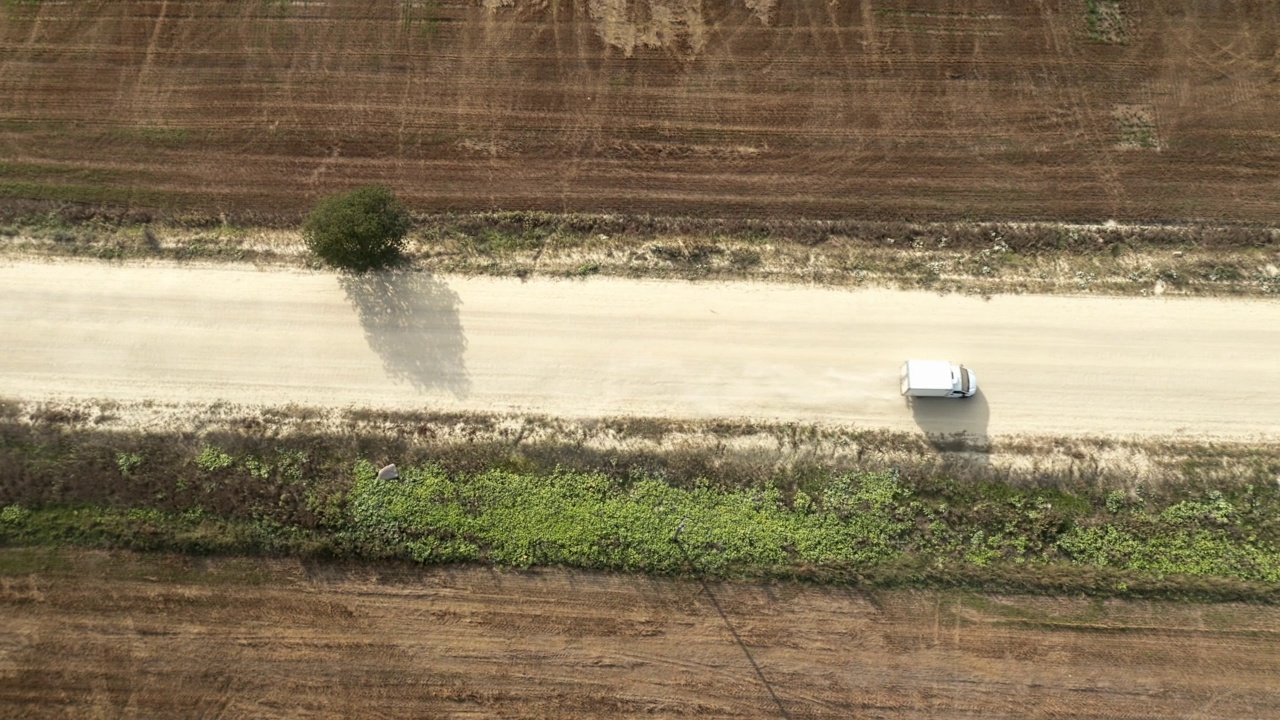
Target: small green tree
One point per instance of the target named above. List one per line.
(360, 230)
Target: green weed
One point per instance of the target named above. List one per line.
(154, 136)
(642, 524)
(22, 7)
(14, 514)
(212, 459)
(128, 462)
(1107, 21)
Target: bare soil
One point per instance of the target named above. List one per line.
(98, 635)
(900, 109)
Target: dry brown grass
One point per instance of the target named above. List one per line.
(981, 258)
(735, 452)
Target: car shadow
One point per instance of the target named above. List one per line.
(954, 425)
(411, 320)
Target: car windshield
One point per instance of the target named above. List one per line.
(964, 379)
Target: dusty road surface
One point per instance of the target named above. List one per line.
(877, 109)
(1063, 365)
(152, 637)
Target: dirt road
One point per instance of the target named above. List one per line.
(600, 347)
(158, 637)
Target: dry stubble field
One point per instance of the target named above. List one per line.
(946, 109)
(153, 636)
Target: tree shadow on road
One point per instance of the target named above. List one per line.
(411, 320)
(956, 426)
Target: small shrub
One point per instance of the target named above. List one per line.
(128, 462)
(257, 468)
(1107, 21)
(361, 230)
(1116, 501)
(14, 515)
(212, 458)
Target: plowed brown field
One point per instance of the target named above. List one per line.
(163, 638)
(1145, 109)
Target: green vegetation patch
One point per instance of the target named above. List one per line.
(1108, 21)
(21, 8)
(1136, 127)
(147, 529)
(464, 501)
(90, 194)
(154, 136)
(643, 523)
(45, 171)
